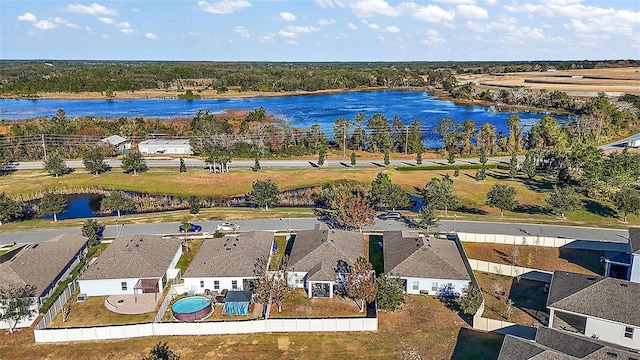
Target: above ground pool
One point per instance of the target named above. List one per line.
(192, 308)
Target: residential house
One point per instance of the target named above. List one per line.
(621, 265)
(426, 264)
(42, 264)
(132, 264)
(560, 345)
(321, 254)
(599, 307)
(165, 146)
(227, 262)
(118, 142)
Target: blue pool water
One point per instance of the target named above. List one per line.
(190, 305)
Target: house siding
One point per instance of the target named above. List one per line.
(106, 287)
(635, 268)
(193, 283)
(612, 332)
(425, 285)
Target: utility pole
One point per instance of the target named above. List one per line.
(44, 146)
(406, 139)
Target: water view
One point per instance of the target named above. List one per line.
(300, 110)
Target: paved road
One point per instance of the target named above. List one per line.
(603, 235)
(618, 145)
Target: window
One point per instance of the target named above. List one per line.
(449, 286)
(299, 279)
(216, 285)
(434, 286)
(234, 284)
(124, 285)
(416, 285)
(201, 283)
(628, 332)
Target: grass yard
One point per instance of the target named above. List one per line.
(188, 255)
(529, 299)
(92, 312)
(541, 258)
(276, 258)
(299, 306)
(376, 256)
(422, 329)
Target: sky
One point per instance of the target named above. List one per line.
(320, 30)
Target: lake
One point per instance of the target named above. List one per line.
(299, 110)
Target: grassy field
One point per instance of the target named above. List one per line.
(423, 329)
(92, 312)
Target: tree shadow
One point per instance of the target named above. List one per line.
(470, 210)
(538, 186)
(8, 168)
(599, 209)
(530, 297)
(530, 209)
(587, 259)
(472, 344)
(313, 164)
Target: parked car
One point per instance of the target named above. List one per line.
(391, 215)
(225, 226)
(193, 228)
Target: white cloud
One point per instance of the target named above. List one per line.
(59, 20)
(124, 26)
(107, 20)
(93, 9)
(287, 16)
(392, 29)
(433, 13)
(329, 3)
(455, 2)
(223, 7)
(27, 17)
(302, 29)
(352, 26)
(491, 2)
(44, 25)
(73, 26)
(242, 31)
(266, 39)
(151, 36)
(472, 12)
(292, 42)
(105, 36)
(88, 28)
(326, 22)
(367, 8)
(433, 37)
(287, 34)
(374, 26)
(127, 30)
(135, 10)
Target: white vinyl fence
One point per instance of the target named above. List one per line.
(57, 306)
(500, 326)
(206, 328)
(510, 270)
(544, 241)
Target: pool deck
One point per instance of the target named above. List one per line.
(127, 304)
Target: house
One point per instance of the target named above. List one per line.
(42, 264)
(621, 265)
(319, 255)
(132, 264)
(165, 146)
(121, 144)
(599, 307)
(426, 264)
(556, 344)
(227, 262)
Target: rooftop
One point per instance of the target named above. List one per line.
(230, 255)
(165, 142)
(135, 256)
(408, 254)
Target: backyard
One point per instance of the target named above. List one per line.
(538, 257)
(297, 305)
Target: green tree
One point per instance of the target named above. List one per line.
(353, 210)
(502, 197)
(161, 352)
(447, 129)
(271, 287)
(390, 292)
(9, 209)
(361, 283)
(627, 201)
(562, 200)
(513, 165)
(264, 193)
(470, 300)
(353, 158)
(440, 194)
(93, 160)
(464, 133)
(52, 203)
(515, 133)
(379, 135)
(415, 137)
(133, 162)
(194, 204)
(529, 165)
(322, 152)
(419, 156)
(256, 164)
(55, 165)
(451, 157)
(388, 194)
(92, 230)
(341, 130)
(386, 157)
(427, 218)
(486, 138)
(16, 304)
(183, 166)
(118, 202)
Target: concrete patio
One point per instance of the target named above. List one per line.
(128, 305)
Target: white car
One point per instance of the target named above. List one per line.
(227, 227)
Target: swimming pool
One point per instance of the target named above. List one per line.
(192, 308)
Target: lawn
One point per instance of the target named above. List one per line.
(422, 329)
(538, 257)
(529, 299)
(297, 305)
(188, 254)
(376, 257)
(92, 312)
(276, 257)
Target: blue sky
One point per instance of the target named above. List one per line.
(320, 30)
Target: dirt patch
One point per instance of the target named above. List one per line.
(299, 306)
(538, 257)
(283, 343)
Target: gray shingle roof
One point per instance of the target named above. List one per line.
(40, 263)
(134, 256)
(552, 344)
(230, 256)
(408, 254)
(604, 298)
(317, 252)
(634, 240)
